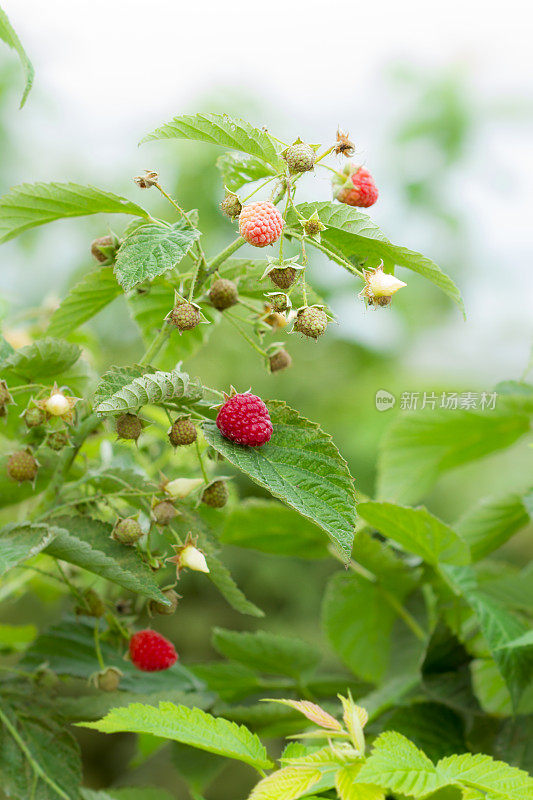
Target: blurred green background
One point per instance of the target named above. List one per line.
(431, 148)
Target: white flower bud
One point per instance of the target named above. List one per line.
(57, 405)
(193, 558)
(182, 487)
(382, 284)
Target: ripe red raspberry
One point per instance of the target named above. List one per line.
(151, 652)
(358, 189)
(244, 419)
(260, 223)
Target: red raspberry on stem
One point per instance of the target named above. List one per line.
(260, 223)
(244, 419)
(358, 189)
(151, 652)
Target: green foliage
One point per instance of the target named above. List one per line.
(93, 293)
(266, 652)
(156, 387)
(237, 170)
(9, 36)
(45, 358)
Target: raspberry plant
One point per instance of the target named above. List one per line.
(115, 488)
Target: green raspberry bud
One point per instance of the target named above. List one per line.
(22, 466)
(279, 360)
(164, 512)
(311, 321)
(216, 494)
(128, 426)
(231, 206)
(33, 417)
(223, 294)
(159, 608)
(182, 432)
(127, 531)
(58, 440)
(300, 157)
(185, 316)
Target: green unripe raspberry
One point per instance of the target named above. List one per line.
(33, 417)
(5, 397)
(160, 608)
(108, 680)
(231, 206)
(182, 432)
(127, 531)
(185, 317)
(22, 466)
(128, 426)
(164, 512)
(92, 605)
(279, 360)
(223, 294)
(57, 440)
(283, 277)
(299, 157)
(103, 249)
(311, 321)
(216, 494)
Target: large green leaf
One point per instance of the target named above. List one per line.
(32, 204)
(68, 649)
(266, 652)
(190, 726)
(487, 526)
(359, 239)
(494, 778)
(301, 466)
(96, 704)
(152, 250)
(9, 36)
(433, 727)
(397, 764)
(20, 542)
(417, 531)
(39, 758)
(87, 543)
(222, 130)
(418, 448)
(238, 170)
(270, 527)
(93, 293)
(151, 387)
(45, 358)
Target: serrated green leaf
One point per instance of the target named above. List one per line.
(222, 130)
(87, 543)
(417, 531)
(38, 756)
(434, 728)
(514, 743)
(237, 170)
(93, 293)
(358, 621)
(348, 789)
(301, 466)
(263, 524)
(397, 764)
(266, 652)
(68, 649)
(418, 448)
(151, 250)
(221, 577)
(152, 387)
(97, 704)
(20, 542)
(483, 773)
(359, 239)
(45, 358)
(231, 681)
(32, 204)
(288, 783)
(487, 526)
(190, 726)
(115, 379)
(9, 36)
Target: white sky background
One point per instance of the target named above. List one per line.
(112, 70)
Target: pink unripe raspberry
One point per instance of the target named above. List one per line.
(358, 189)
(151, 652)
(244, 419)
(260, 223)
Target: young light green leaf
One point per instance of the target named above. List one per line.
(45, 358)
(152, 250)
(238, 170)
(9, 36)
(263, 524)
(359, 239)
(288, 783)
(32, 204)
(487, 526)
(398, 765)
(222, 130)
(38, 756)
(348, 789)
(190, 726)
(87, 543)
(417, 531)
(20, 542)
(153, 387)
(93, 293)
(266, 652)
(301, 466)
(418, 448)
(494, 778)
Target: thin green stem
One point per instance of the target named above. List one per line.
(97, 647)
(261, 186)
(335, 171)
(245, 336)
(29, 387)
(331, 255)
(201, 461)
(153, 349)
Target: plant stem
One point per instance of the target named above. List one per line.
(201, 461)
(333, 256)
(245, 336)
(97, 644)
(153, 349)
